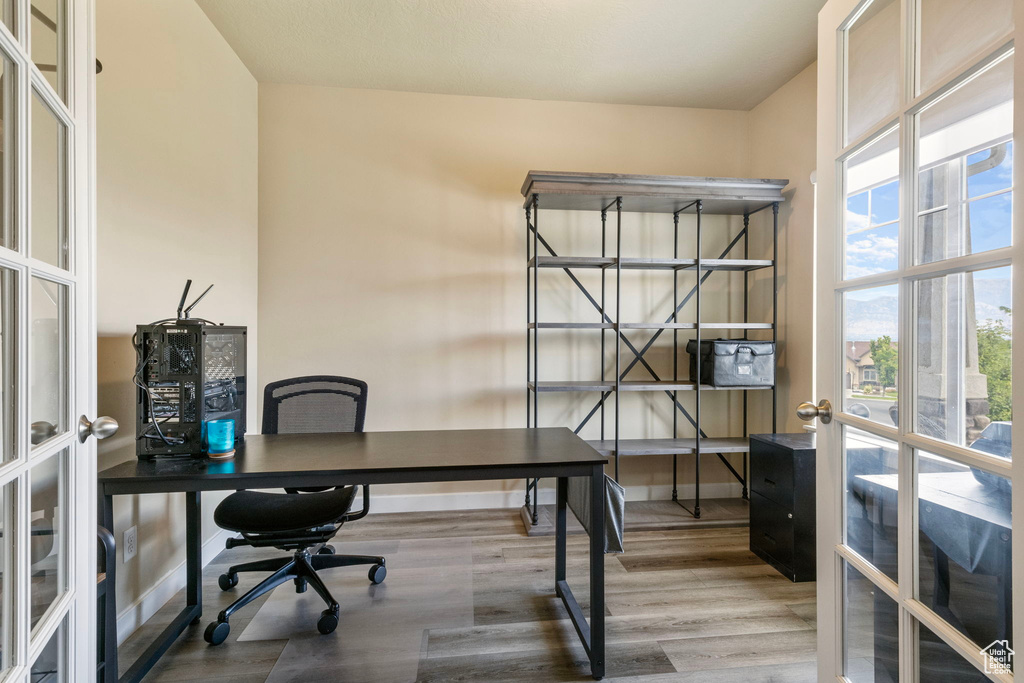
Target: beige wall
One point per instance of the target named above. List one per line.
(782, 144)
(177, 182)
(392, 248)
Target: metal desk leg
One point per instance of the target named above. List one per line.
(597, 573)
(106, 512)
(560, 533)
(194, 550)
(591, 634)
(193, 592)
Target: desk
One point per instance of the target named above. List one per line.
(371, 458)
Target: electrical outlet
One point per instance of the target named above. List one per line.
(131, 544)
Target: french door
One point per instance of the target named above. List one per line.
(919, 275)
(47, 341)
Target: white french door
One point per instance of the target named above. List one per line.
(919, 255)
(47, 341)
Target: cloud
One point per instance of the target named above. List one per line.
(871, 253)
(855, 222)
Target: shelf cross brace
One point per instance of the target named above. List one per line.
(639, 354)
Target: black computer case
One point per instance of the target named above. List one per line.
(189, 372)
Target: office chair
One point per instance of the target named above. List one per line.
(299, 520)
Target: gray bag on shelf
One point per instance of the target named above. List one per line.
(578, 499)
(733, 362)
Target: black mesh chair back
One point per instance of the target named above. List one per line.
(316, 404)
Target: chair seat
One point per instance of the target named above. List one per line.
(257, 512)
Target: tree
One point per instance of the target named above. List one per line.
(883, 354)
(994, 344)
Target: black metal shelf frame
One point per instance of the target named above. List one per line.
(616, 386)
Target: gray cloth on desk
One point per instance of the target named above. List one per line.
(614, 508)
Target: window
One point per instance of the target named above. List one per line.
(873, 208)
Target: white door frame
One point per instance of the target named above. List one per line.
(831, 148)
(77, 604)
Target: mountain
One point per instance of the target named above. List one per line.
(868, 319)
(872, 318)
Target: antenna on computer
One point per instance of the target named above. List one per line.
(188, 310)
(184, 294)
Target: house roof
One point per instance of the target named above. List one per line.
(856, 350)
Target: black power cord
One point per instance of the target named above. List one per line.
(137, 380)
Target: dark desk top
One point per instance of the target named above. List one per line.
(798, 441)
(274, 461)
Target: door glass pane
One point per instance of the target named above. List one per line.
(51, 664)
(952, 31)
(48, 186)
(7, 146)
(872, 208)
(965, 541)
(7, 553)
(872, 67)
(871, 464)
(8, 362)
(870, 631)
(47, 27)
(871, 337)
(939, 663)
(965, 168)
(48, 548)
(962, 359)
(48, 359)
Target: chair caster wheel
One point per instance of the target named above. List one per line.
(327, 550)
(377, 573)
(217, 632)
(227, 581)
(328, 622)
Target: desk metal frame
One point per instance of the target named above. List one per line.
(591, 634)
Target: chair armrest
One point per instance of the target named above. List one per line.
(359, 514)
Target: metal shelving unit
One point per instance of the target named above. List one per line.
(610, 195)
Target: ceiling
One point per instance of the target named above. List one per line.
(722, 54)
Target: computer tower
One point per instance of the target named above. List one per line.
(189, 372)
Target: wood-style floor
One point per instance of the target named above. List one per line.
(469, 598)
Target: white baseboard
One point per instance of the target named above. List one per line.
(478, 500)
(173, 581)
(137, 613)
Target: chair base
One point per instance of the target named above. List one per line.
(302, 569)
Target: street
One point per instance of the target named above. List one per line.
(878, 409)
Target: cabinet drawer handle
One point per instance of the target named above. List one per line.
(769, 538)
(790, 515)
(769, 481)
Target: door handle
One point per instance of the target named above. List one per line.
(808, 411)
(102, 428)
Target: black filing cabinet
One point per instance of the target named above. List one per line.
(782, 502)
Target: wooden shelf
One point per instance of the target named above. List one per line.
(650, 193)
(693, 326)
(650, 263)
(671, 446)
(571, 326)
(631, 385)
(650, 326)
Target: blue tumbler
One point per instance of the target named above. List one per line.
(220, 438)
